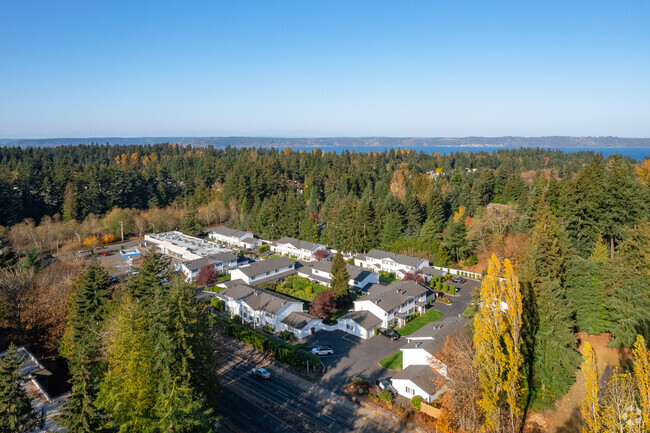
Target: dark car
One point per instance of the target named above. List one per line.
(457, 280)
(384, 385)
(390, 334)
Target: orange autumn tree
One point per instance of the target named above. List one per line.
(497, 343)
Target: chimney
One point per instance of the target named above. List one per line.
(418, 344)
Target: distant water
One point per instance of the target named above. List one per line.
(637, 153)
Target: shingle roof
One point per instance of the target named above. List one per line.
(354, 271)
(398, 258)
(428, 346)
(264, 266)
(421, 375)
(298, 320)
(428, 270)
(257, 299)
(365, 319)
(227, 231)
(297, 243)
(389, 297)
(193, 265)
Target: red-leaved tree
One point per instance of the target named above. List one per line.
(207, 275)
(416, 276)
(321, 254)
(323, 305)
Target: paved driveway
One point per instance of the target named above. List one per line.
(354, 357)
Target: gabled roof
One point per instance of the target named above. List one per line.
(257, 299)
(298, 320)
(397, 258)
(297, 243)
(421, 375)
(428, 270)
(267, 265)
(428, 346)
(365, 319)
(227, 231)
(393, 295)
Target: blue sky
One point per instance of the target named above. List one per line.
(324, 68)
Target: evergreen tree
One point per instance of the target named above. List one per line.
(16, 412)
(190, 224)
(583, 291)
(436, 213)
(340, 278)
(429, 232)
(456, 239)
(69, 203)
(555, 355)
(309, 229)
(391, 230)
(32, 261)
(82, 347)
(151, 272)
(414, 215)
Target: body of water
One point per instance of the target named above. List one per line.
(633, 152)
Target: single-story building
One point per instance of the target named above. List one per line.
(321, 273)
(360, 323)
(300, 324)
(265, 271)
(181, 245)
(296, 248)
(428, 273)
(422, 374)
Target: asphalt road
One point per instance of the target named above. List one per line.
(250, 404)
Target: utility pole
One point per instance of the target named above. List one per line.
(122, 230)
(78, 237)
(153, 227)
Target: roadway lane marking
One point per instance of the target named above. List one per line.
(280, 392)
(330, 417)
(244, 414)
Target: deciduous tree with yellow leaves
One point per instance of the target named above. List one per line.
(589, 405)
(497, 341)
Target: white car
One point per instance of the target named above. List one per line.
(323, 350)
(262, 373)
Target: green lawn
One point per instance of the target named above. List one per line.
(387, 279)
(392, 362)
(275, 256)
(417, 323)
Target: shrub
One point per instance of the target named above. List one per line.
(263, 248)
(287, 335)
(309, 289)
(283, 352)
(236, 318)
(416, 402)
(108, 239)
(361, 386)
(218, 304)
(376, 331)
(445, 287)
(444, 300)
(452, 289)
(267, 329)
(312, 330)
(385, 395)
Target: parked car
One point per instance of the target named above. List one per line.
(261, 373)
(113, 280)
(384, 385)
(389, 333)
(323, 350)
(457, 280)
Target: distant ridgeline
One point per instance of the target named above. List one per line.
(552, 141)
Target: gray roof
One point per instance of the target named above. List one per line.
(257, 299)
(275, 277)
(389, 297)
(365, 319)
(428, 270)
(267, 265)
(298, 320)
(227, 231)
(398, 258)
(298, 243)
(355, 272)
(421, 375)
(194, 265)
(428, 346)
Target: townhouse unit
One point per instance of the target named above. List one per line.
(321, 273)
(400, 264)
(393, 303)
(183, 246)
(258, 306)
(264, 271)
(360, 323)
(301, 324)
(422, 373)
(234, 237)
(223, 263)
(296, 248)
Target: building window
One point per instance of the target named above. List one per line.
(409, 390)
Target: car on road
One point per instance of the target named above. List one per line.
(261, 373)
(323, 350)
(384, 385)
(389, 333)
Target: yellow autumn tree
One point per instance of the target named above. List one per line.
(642, 377)
(511, 295)
(589, 406)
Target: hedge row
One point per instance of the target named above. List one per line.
(283, 352)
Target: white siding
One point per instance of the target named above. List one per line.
(408, 389)
(374, 309)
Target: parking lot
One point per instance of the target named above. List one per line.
(354, 357)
